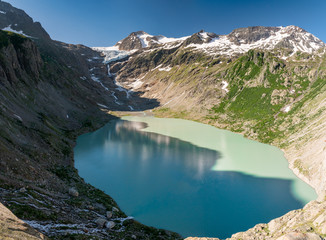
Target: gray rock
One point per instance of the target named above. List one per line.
(73, 192)
(22, 190)
(114, 209)
(300, 236)
(134, 237)
(110, 225)
(101, 222)
(109, 214)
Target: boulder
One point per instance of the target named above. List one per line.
(73, 192)
(100, 222)
(110, 225)
(109, 214)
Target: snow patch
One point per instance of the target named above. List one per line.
(2, 12)
(162, 39)
(18, 117)
(167, 69)
(287, 108)
(102, 105)
(121, 89)
(96, 79)
(225, 85)
(136, 84)
(15, 31)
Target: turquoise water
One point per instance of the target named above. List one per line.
(188, 177)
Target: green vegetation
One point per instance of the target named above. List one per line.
(7, 37)
(300, 167)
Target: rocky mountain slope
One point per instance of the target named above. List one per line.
(51, 92)
(267, 83)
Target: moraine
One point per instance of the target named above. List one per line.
(189, 177)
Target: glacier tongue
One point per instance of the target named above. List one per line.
(112, 53)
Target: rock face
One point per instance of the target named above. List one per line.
(12, 228)
(133, 41)
(200, 38)
(306, 223)
(300, 236)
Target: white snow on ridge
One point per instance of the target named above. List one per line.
(15, 31)
(223, 45)
(160, 39)
(203, 35)
(143, 39)
(2, 12)
(163, 39)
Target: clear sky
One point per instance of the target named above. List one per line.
(104, 22)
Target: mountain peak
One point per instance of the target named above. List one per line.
(239, 41)
(16, 20)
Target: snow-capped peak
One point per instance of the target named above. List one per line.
(141, 39)
(243, 39)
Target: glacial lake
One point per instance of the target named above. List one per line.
(189, 177)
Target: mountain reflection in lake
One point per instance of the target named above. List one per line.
(168, 183)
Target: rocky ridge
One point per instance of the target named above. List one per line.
(288, 40)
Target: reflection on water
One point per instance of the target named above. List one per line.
(168, 183)
(123, 139)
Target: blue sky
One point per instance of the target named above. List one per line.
(104, 22)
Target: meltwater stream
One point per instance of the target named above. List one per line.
(188, 177)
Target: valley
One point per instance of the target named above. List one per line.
(266, 83)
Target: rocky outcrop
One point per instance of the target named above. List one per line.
(307, 223)
(12, 228)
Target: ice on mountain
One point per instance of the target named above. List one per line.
(112, 53)
(15, 31)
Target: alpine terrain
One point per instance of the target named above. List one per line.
(267, 83)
